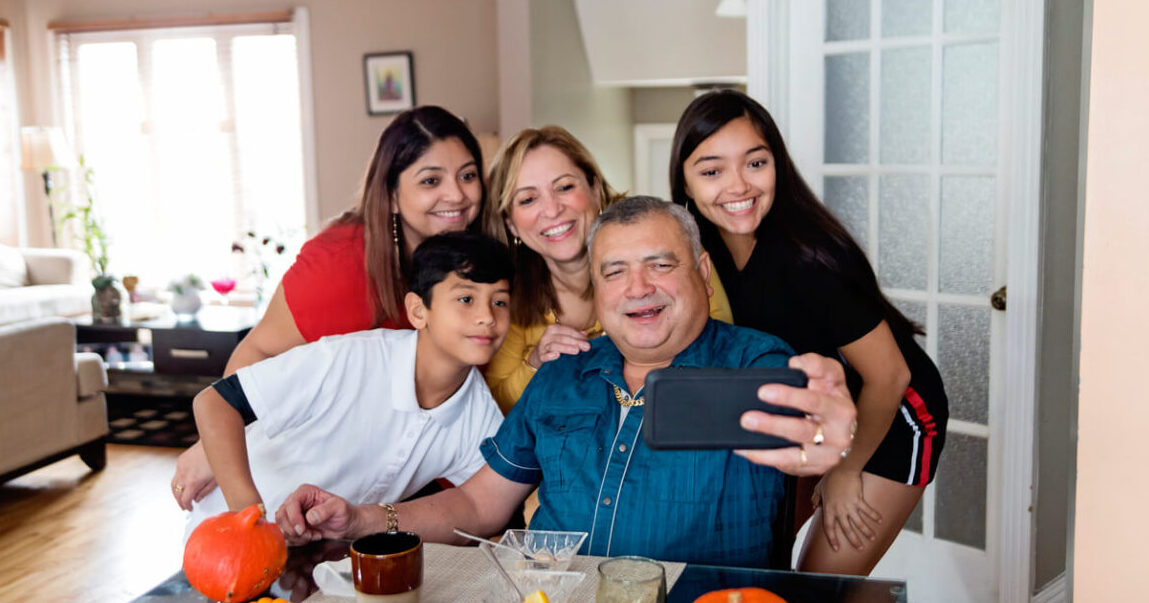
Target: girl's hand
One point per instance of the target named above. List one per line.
(556, 341)
(193, 479)
(844, 508)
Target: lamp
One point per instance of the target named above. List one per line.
(41, 149)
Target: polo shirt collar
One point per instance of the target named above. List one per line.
(402, 371)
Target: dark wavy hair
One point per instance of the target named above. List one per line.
(796, 217)
(401, 144)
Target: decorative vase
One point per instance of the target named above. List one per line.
(186, 303)
(106, 304)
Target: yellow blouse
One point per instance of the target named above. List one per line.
(508, 372)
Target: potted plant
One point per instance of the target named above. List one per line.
(185, 295)
(88, 230)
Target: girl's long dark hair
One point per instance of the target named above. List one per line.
(401, 144)
(797, 219)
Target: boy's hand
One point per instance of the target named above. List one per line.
(193, 479)
(311, 513)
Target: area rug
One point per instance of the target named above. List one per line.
(151, 420)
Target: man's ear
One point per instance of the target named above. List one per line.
(704, 269)
(416, 311)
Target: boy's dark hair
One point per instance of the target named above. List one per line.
(474, 257)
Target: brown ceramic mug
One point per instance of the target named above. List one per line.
(387, 567)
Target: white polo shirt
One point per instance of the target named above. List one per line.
(341, 413)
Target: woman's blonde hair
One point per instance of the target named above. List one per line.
(534, 292)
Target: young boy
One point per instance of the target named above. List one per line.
(374, 415)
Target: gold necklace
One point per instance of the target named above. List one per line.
(626, 400)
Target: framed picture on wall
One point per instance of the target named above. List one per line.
(390, 81)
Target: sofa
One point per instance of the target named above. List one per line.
(35, 283)
(52, 401)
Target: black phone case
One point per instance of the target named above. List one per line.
(699, 408)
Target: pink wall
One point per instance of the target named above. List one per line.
(1110, 558)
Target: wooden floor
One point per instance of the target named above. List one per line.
(67, 534)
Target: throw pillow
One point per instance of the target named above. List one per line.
(13, 270)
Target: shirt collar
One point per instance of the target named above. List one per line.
(403, 398)
(604, 356)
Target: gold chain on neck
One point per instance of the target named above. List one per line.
(626, 400)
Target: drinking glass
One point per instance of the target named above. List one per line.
(631, 580)
(223, 286)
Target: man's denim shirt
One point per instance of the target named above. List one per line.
(704, 506)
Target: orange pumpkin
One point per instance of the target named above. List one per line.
(740, 595)
(234, 556)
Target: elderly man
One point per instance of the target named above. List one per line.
(575, 431)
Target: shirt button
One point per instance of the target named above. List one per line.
(622, 447)
(606, 501)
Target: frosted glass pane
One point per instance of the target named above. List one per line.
(959, 515)
(847, 20)
(903, 231)
(971, 16)
(848, 108)
(848, 199)
(965, 249)
(906, 17)
(969, 104)
(905, 105)
(917, 313)
(963, 359)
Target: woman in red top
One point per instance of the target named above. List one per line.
(424, 178)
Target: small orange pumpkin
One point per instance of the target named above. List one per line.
(740, 595)
(234, 556)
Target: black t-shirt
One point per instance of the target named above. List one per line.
(811, 307)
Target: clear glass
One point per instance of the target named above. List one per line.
(847, 136)
(631, 580)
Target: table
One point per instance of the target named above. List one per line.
(184, 355)
(687, 582)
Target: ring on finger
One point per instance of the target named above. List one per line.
(178, 488)
(801, 456)
(819, 437)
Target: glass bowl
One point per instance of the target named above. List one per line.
(558, 586)
(541, 549)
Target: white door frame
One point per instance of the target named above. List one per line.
(1012, 426)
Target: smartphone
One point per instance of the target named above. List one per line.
(699, 408)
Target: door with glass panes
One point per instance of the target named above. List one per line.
(896, 122)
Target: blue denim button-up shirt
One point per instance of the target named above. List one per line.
(700, 506)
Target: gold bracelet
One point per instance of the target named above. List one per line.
(392, 517)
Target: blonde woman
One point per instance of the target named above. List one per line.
(545, 192)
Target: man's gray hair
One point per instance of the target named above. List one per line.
(633, 209)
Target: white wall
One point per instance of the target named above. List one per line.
(1109, 560)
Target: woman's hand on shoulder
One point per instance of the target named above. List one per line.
(193, 479)
(556, 341)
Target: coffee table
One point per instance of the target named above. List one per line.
(184, 355)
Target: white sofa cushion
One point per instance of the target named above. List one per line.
(13, 268)
(24, 303)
